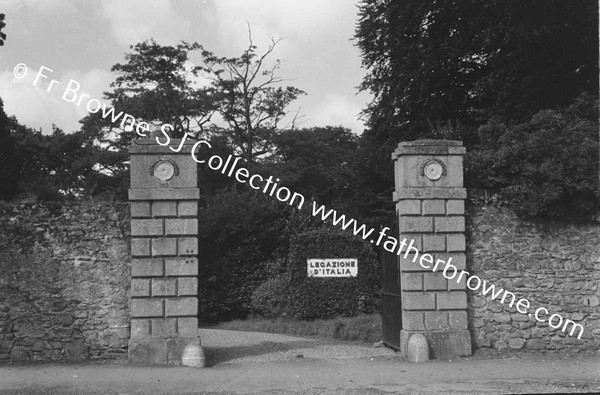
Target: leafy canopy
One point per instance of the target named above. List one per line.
(460, 69)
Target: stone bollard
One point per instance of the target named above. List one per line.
(193, 356)
(418, 348)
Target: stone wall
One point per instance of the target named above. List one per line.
(553, 265)
(64, 281)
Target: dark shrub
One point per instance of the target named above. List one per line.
(271, 298)
(239, 232)
(312, 297)
(545, 167)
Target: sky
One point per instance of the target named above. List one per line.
(81, 39)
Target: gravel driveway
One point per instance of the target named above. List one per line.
(232, 347)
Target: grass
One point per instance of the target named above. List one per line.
(366, 328)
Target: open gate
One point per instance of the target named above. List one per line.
(391, 295)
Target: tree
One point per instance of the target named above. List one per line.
(154, 86)
(250, 99)
(7, 146)
(433, 63)
(314, 161)
(8, 158)
(157, 85)
(56, 167)
(442, 69)
(2, 26)
(543, 167)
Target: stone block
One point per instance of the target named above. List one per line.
(449, 224)
(140, 287)
(456, 300)
(415, 224)
(408, 207)
(436, 320)
(181, 226)
(187, 209)
(164, 193)
(164, 327)
(434, 282)
(454, 285)
(503, 318)
(459, 260)
(455, 206)
(187, 246)
(187, 286)
(147, 267)
(187, 327)
(77, 350)
(414, 241)
(408, 172)
(181, 307)
(181, 266)
(146, 227)
(434, 206)
(535, 344)
(412, 281)
(407, 264)
(164, 246)
(458, 319)
(483, 342)
(456, 243)
(164, 209)
(142, 178)
(413, 320)
(429, 193)
(62, 319)
(140, 328)
(140, 209)
(418, 301)
(164, 287)
(140, 247)
(516, 343)
(433, 243)
(147, 351)
(146, 307)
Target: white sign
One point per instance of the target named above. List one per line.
(337, 267)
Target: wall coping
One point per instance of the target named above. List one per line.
(429, 147)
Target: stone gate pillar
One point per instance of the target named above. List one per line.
(164, 244)
(429, 199)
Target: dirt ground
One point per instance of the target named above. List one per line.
(259, 363)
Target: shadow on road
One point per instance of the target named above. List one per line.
(217, 355)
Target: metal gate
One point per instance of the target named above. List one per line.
(391, 295)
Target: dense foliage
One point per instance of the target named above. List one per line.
(441, 69)
(2, 25)
(239, 232)
(292, 293)
(58, 166)
(546, 166)
(8, 158)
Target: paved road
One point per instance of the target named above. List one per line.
(251, 363)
